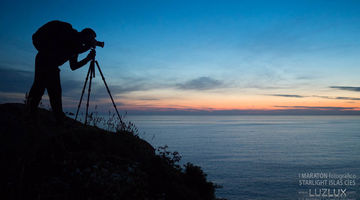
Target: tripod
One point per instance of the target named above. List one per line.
(91, 74)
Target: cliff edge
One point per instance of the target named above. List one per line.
(40, 160)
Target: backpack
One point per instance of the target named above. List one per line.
(54, 36)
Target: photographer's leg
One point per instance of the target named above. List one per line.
(37, 90)
(54, 91)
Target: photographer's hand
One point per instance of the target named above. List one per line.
(91, 55)
(75, 64)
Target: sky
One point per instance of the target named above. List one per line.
(198, 56)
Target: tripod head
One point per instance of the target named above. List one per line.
(94, 45)
(92, 56)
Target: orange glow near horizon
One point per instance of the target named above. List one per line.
(174, 100)
(184, 100)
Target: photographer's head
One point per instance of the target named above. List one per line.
(88, 37)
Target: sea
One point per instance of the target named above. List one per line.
(265, 157)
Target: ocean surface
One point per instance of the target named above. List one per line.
(265, 157)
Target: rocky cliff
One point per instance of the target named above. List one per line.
(41, 160)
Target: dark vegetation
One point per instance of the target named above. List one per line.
(40, 160)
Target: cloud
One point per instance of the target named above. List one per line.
(99, 89)
(305, 77)
(15, 80)
(118, 89)
(6, 97)
(341, 98)
(201, 83)
(288, 95)
(319, 108)
(71, 87)
(323, 97)
(148, 99)
(348, 88)
(349, 98)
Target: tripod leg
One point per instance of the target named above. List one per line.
(108, 90)
(92, 72)
(82, 94)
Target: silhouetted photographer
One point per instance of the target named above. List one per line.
(57, 42)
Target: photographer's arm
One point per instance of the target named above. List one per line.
(75, 64)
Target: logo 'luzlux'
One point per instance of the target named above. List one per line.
(327, 192)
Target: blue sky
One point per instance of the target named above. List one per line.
(203, 55)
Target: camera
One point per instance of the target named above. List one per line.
(99, 44)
